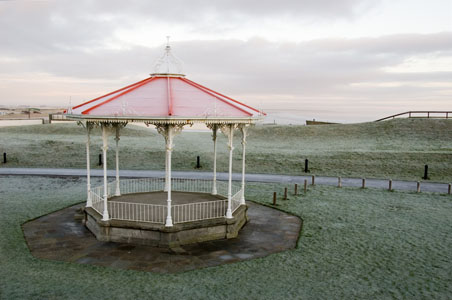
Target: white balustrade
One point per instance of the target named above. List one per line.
(199, 211)
(97, 199)
(139, 212)
(144, 212)
(236, 200)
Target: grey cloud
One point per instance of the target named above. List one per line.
(41, 27)
(180, 10)
(67, 39)
(393, 44)
(306, 67)
(255, 65)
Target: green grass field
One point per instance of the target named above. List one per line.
(396, 149)
(366, 244)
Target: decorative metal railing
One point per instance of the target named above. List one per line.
(154, 213)
(140, 212)
(199, 211)
(97, 199)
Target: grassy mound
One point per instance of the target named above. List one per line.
(397, 149)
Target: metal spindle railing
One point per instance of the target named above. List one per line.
(154, 213)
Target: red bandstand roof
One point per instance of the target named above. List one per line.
(166, 97)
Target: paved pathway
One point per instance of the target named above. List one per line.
(323, 180)
(58, 236)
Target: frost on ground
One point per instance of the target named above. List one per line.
(396, 149)
(356, 243)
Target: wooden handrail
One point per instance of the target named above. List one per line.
(411, 113)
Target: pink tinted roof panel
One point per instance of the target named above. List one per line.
(188, 100)
(163, 96)
(149, 99)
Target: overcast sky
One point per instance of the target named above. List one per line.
(336, 60)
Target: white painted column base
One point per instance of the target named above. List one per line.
(169, 221)
(105, 216)
(89, 200)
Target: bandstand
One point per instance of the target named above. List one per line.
(165, 211)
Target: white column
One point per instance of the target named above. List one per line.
(231, 148)
(89, 202)
(105, 216)
(242, 197)
(165, 189)
(169, 146)
(118, 191)
(214, 138)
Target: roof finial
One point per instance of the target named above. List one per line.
(168, 64)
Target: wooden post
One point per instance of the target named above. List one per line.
(363, 185)
(418, 187)
(100, 159)
(390, 185)
(339, 182)
(198, 162)
(306, 165)
(306, 186)
(449, 190)
(313, 179)
(285, 193)
(274, 198)
(4, 157)
(296, 189)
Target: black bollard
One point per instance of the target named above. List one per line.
(306, 166)
(100, 159)
(198, 162)
(425, 173)
(4, 157)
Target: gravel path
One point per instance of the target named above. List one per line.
(323, 180)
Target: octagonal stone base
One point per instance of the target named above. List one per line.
(151, 234)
